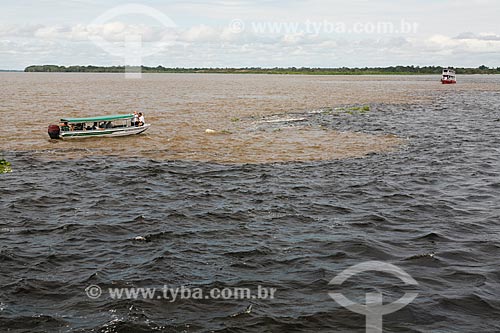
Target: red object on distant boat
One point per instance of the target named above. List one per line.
(449, 76)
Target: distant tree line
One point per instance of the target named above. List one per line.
(406, 70)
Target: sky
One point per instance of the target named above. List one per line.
(244, 33)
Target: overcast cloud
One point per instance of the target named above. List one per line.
(262, 33)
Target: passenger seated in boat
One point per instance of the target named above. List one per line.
(141, 119)
(108, 125)
(94, 127)
(65, 127)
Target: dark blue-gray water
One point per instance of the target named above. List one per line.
(432, 208)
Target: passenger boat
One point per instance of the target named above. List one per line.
(449, 76)
(106, 126)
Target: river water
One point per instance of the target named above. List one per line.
(294, 184)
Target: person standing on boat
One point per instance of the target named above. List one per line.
(135, 119)
(141, 119)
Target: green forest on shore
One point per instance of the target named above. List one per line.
(392, 70)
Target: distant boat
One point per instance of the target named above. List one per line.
(448, 76)
(105, 126)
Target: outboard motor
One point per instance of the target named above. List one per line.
(54, 132)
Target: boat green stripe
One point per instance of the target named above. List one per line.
(88, 134)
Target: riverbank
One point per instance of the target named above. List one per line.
(393, 70)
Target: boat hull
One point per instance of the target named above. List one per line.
(448, 81)
(110, 132)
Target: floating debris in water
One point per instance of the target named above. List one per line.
(211, 131)
(248, 310)
(5, 166)
(342, 110)
(284, 120)
(423, 255)
(352, 109)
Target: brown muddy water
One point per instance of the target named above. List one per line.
(182, 107)
(292, 188)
